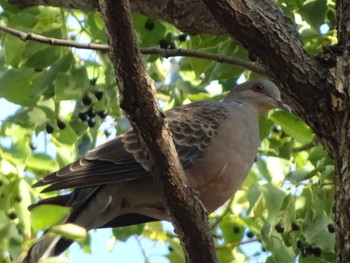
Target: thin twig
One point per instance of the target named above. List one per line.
(146, 51)
(223, 214)
(304, 147)
(141, 248)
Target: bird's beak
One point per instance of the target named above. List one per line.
(280, 104)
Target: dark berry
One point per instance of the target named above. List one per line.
(309, 250)
(90, 112)
(98, 95)
(93, 81)
(102, 114)
(163, 43)
(182, 37)
(107, 132)
(172, 45)
(303, 252)
(279, 228)
(60, 124)
(295, 227)
(276, 129)
(91, 123)
(316, 251)
(252, 57)
(236, 229)
(250, 234)
(33, 146)
(86, 100)
(49, 129)
(12, 215)
(83, 116)
(149, 25)
(330, 228)
(300, 244)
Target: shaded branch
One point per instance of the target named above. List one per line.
(343, 23)
(139, 103)
(146, 51)
(189, 16)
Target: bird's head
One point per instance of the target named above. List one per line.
(262, 94)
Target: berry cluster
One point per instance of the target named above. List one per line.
(307, 250)
(60, 125)
(89, 114)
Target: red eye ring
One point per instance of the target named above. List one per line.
(258, 87)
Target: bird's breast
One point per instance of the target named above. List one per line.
(226, 163)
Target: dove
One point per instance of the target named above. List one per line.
(112, 185)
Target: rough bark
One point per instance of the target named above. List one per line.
(138, 102)
(341, 102)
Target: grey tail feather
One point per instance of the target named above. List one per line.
(46, 246)
(49, 246)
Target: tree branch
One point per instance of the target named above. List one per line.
(146, 51)
(340, 76)
(189, 16)
(343, 23)
(139, 104)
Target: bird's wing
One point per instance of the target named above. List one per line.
(193, 126)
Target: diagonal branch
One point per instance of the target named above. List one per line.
(146, 51)
(138, 102)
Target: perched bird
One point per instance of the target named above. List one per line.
(217, 144)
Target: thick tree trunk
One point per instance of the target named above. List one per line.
(342, 151)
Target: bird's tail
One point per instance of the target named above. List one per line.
(47, 246)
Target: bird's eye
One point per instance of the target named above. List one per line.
(258, 88)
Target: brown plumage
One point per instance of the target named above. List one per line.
(216, 143)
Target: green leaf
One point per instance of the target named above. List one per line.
(123, 233)
(41, 161)
(265, 127)
(38, 56)
(292, 125)
(4, 223)
(45, 83)
(44, 216)
(54, 260)
(21, 207)
(232, 230)
(318, 235)
(70, 231)
(16, 86)
(71, 85)
(149, 38)
(29, 117)
(314, 12)
(13, 49)
(272, 198)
